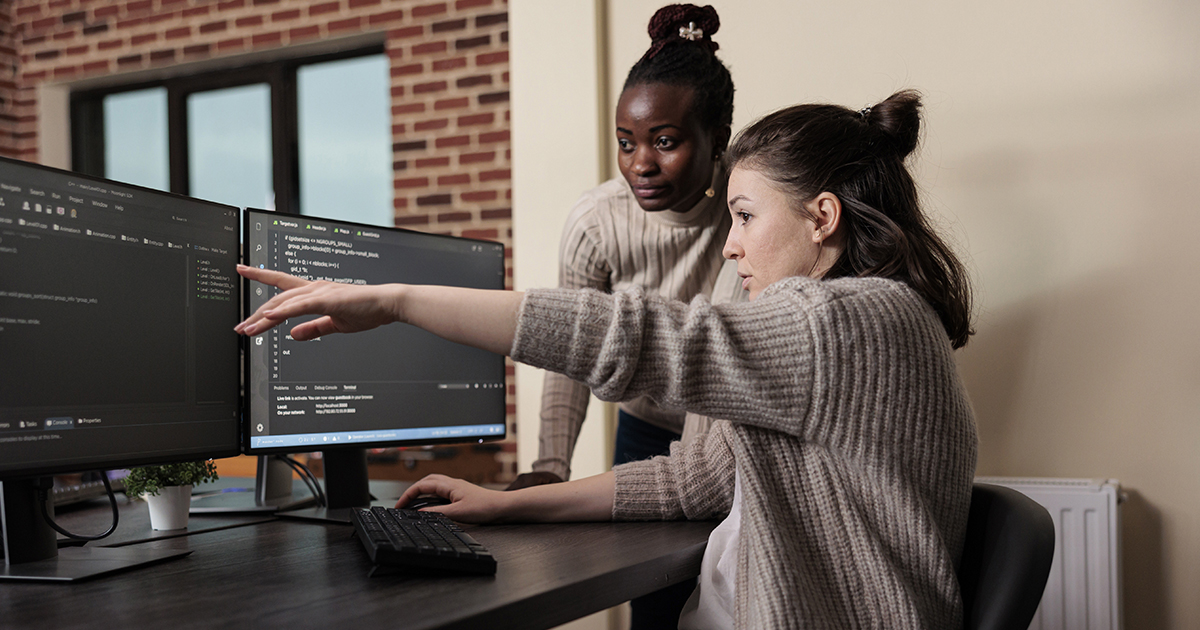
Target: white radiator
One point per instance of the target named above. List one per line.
(1083, 591)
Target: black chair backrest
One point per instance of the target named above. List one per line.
(1006, 558)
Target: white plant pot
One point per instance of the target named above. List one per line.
(169, 508)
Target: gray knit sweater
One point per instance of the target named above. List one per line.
(846, 420)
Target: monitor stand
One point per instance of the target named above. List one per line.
(272, 493)
(346, 487)
(31, 549)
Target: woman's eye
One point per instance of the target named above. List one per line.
(666, 143)
(624, 144)
(743, 216)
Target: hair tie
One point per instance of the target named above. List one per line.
(690, 32)
(864, 112)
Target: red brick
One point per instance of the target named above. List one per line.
(65, 72)
(418, 219)
(452, 141)
(400, 202)
(449, 64)
(429, 48)
(480, 195)
(494, 136)
(487, 176)
(500, 213)
(251, 20)
(490, 58)
(426, 88)
(442, 199)
(145, 38)
(196, 11)
(58, 37)
(290, 14)
(304, 32)
(28, 10)
(400, 165)
(504, 37)
(231, 43)
(476, 119)
(109, 45)
(106, 11)
(449, 25)
(451, 103)
(426, 125)
(320, 9)
(163, 4)
(162, 56)
(46, 54)
(197, 49)
(267, 39)
(44, 23)
(77, 50)
(95, 29)
(405, 33)
(348, 24)
(408, 108)
(467, 4)
(412, 182)
(453, 217)
(354, 4)
(405, 70)
(456, 179)
(494, 97)
(428, 9)
(139, 5)
(489, 20)
(433, 162)
(384, 18)
(504, 76)
(176, 33)
(413, 145)
(96, 66)
(474, 158)
(213, 27)
(397, 91)
(262, 2)
(479, 79)
(472, 42)
(489, 235)
(231, 4)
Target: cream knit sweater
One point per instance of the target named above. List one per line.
(846, 420)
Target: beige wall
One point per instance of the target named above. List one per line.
(1061, 156)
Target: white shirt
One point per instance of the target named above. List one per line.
(711, 605)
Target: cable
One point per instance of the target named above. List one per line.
(44, 498)
(309, 478)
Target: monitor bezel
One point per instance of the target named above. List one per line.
(124, 461)
(246, 367)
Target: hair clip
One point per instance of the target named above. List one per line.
(690, 32)
(864, 112)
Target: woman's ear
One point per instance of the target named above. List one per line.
(826, 211)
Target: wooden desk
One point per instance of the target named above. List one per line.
(277, 573)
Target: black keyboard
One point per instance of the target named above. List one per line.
(421, 540)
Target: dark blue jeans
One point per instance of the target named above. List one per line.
(638, 440)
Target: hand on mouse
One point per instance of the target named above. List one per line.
(468, 502)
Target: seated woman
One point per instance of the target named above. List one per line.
(845, 452)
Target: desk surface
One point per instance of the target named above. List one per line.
(277, 573)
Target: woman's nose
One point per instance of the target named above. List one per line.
(732, 249)
(644, 162)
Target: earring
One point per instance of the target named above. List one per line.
(713, 185)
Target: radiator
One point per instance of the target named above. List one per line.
(1083, 591)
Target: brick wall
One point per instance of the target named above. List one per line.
(449, 83)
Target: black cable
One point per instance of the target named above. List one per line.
(309, 478)
(44, 497)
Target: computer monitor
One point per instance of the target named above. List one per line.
(117, 308)
(393, 386)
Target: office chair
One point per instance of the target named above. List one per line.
(1006, 558)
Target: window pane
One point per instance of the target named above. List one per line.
(229, 146)
(135, 138)
(345, 140)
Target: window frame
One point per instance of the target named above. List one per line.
(87, 118)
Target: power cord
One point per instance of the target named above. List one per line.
(45, 484)
(309, 478)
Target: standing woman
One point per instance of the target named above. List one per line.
(660, 226)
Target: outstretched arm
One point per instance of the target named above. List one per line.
(474, 317)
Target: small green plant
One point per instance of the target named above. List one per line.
(151, 479)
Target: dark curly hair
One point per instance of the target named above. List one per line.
(682, 53)
(859, 157)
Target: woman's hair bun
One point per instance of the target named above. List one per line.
(674, 21)
(897, 118)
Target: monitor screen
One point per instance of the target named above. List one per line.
(117, 307)
(394, 385)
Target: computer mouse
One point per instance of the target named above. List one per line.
(427, 500)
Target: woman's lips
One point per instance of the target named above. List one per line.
(746, 282)
(649, 192)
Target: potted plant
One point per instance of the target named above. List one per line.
(168, 490)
